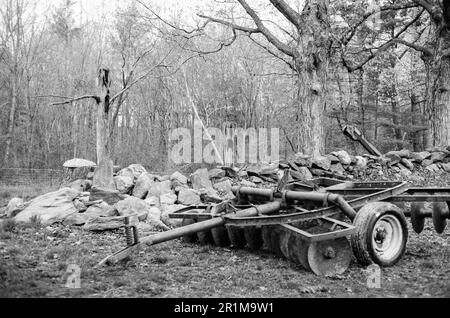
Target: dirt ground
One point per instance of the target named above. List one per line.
(34, 261)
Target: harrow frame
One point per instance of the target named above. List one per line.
(332, 203)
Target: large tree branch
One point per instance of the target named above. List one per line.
(395, 40)
(219, 47)
(75, 99)
(173, 26)
(431, 9)
(351, 33)
(274, 54)
(267, 34)
(230, 24)
(289, 13)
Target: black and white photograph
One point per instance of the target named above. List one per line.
(224, 155)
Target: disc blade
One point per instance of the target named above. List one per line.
(330, 258)
(417, 219)
(440, 210)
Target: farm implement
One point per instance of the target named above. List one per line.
(320, 225)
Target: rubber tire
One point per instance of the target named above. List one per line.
(253, 236)
(220, 236)
(192, 238)
(365, 221)
(237, 237)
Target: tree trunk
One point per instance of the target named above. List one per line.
(311, 104)
(361, 101)
(441, 120)
(103, 177)
(416, 122)
(312, 66)
(12, 116)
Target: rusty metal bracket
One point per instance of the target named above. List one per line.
(356, 135)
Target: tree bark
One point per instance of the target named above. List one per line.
(311, 63)
(416, 122)
(441, 120)
(103, 176)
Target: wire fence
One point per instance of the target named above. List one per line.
(24, 176)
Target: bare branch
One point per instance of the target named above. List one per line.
(388, 44)
(351, 33)
(171, 24)
(269, 36)
(289, 63)
(72, 100)
(219, 48)
(289, 13)
(140, 78)
(435, 15)
(231, 25)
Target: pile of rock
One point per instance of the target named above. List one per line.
(341, 165)
(151, 198)
(139, 193)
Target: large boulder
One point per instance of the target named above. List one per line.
(152, 201)
(392, 158)
(361, 162)
(178, 179)
(15, 206)
(217, 174)
(80, 185)
(420, 156)
(158, 189)
(303, 160)
(333, 159)
(224, 189)
(408, 164)
(101, 209)
(405, 153)
(155, 220)
(302, 174)
(188, 197)
(133, 206)
(337, 168)
(108, 196)
(124, 184)
(143, 185)
(446, 167)
(200, 180)
(321, 162)
(50, 208)
(168, 198)
(437, 157)
(134, 170)
(99, 224)
(344, 157)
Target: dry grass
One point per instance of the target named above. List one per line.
(27, 192)
(33, 263)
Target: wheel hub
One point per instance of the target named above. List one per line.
(387, 237)
(330, 253)
(381, 235)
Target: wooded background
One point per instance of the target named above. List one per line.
(306, 67)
